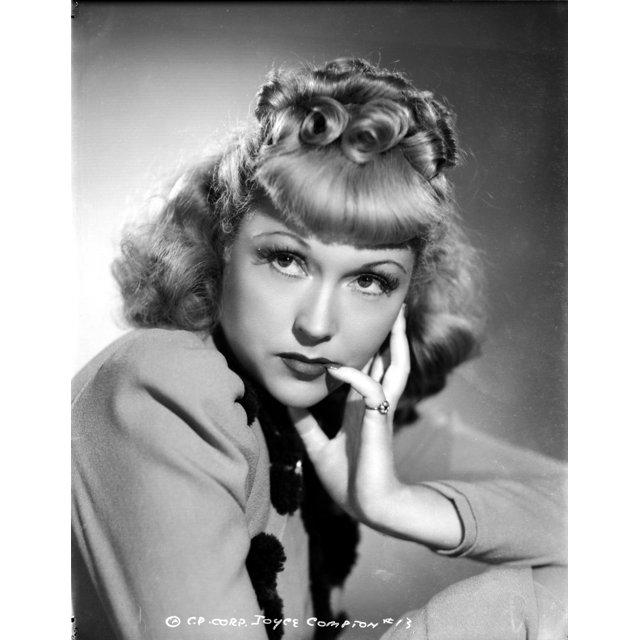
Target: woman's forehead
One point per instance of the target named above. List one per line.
(264, 221)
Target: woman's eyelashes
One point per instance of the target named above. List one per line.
(292, 264)
(375, 284)
(285, 261)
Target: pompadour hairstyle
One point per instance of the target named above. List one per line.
(344, 151)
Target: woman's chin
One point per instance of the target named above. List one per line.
(299, 394)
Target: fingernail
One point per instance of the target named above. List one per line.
(332, 365)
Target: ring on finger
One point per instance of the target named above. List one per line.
(382, 408)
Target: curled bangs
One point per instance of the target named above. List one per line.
(382, 202)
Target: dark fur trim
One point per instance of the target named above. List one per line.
(333, 534)
(266, 558)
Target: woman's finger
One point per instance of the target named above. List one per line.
(311, 434)
(377, 368)
(396, 376)
(369, 436)
(366, 386)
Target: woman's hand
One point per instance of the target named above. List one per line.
(356, 466)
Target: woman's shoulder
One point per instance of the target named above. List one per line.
(158, 400)
(171, 361)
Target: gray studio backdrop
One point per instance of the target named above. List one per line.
(155, 83)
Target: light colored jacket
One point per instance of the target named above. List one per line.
(170, 484)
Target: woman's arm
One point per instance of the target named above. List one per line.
(511, 501)
(163, 464)
(483, 499)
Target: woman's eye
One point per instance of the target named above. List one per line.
(287, 264)
(284, 261)
(372, 285)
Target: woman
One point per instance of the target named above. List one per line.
(296, 297)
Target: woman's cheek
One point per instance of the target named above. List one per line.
(368, 332)
(267, 303)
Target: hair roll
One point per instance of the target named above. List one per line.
(325, 122)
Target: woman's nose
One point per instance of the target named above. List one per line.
(315, 320)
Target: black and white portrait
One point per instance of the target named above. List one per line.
(320, 369)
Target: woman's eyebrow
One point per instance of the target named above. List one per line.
(381, 262)
(296, 237)
(282, 233)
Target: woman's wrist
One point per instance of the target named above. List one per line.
(419, 513)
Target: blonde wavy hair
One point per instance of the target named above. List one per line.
(346, 151)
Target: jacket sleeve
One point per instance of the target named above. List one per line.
(163, 465)
(512, 502)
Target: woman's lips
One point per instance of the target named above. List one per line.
(303, 367)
